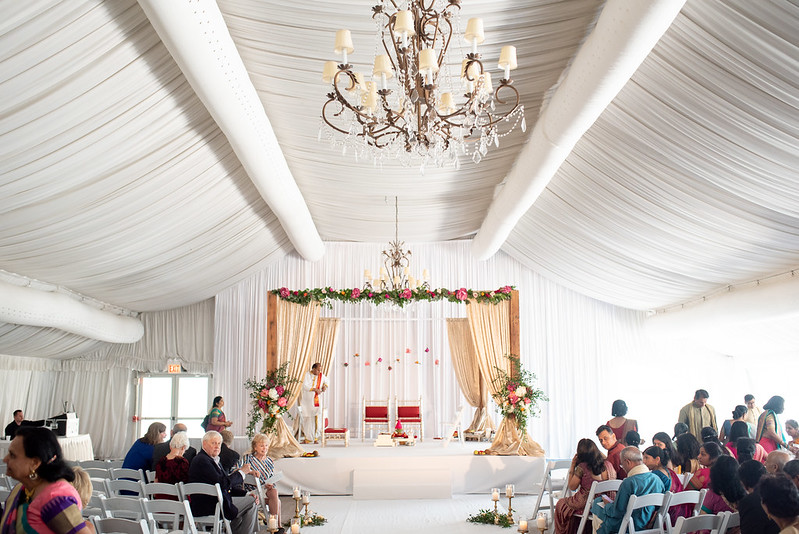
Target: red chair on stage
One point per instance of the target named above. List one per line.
(375, 413)
(334, 433)
(409, 413)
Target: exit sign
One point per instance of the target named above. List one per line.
(173, 368)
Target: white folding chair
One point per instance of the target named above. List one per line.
(211, 490)
(113, 464)
(263, 505)
(550, 485)
(113, 525)
(149, 476)
(174, 516)
(716, 524)
(4, 493)
(681, 498)
(118, 473)
(123, 507)
(101, 464)
(114, 488)
(636, 503)
(94, 507)
(597, 488)
(733, 520)
(455, 426)
(98, 472)
(151, 489)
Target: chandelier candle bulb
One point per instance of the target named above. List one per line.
(447, 105)
(329, 71)
(507, 60)
(367, 274)
(403, 24)
(383, 68)
(344, 44)
(427, 60)
(488, 86)
(474, 33)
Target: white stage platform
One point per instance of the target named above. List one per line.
(381, 472)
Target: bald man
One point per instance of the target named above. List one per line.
(776, 460)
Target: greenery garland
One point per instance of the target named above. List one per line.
(516, 395)
(488, 517)
(400, 297)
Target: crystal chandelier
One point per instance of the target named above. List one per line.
(396, 271)
(421, 118)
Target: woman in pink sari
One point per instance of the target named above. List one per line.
(588, 465)
(769, 430)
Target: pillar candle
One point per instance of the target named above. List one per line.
(495, 494)
(295, 529)
(541, 522)
(523, 525)
(272, 522)
(296, 492)
(306, 498)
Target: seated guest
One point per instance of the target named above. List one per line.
(769, 430)
(679, 430)
(753, 518)
(709, 435)
(228, 458)
(776, 460)
(688, 449)
(44, 500)
(791, 470)
(263, 468)
(781, 502)
(657, 460)
(663, 441)
(18, 422)
(608, 441)
(737, 416)
(708, 454)
(725, 487)
(140, 454)
(748, 449)
(240, 510)
(588, 465)
(83, 483)
(174, 467)
(162, 449)
(639, 481)
(738, 429)
(620, 425)
(632, 439)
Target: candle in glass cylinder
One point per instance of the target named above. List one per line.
(509, 490)
(306, 497)
(495, 494)
(296, 492)
(523, 525)
(295, 528)
(541, 522)
(272, 524)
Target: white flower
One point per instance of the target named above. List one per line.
(273, 408)
(521, 391)
(273, 394)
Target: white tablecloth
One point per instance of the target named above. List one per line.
(76, 449)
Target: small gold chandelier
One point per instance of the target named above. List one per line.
(421, 119)
(395, 275)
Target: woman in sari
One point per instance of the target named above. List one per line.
(44, 501)
(620, 425)
(216, 417)
(688, 449)
(725, 488)
(588, 465)
(738, 414)
(708, 454)
(663, 441)
(657, 460)
(769, 430)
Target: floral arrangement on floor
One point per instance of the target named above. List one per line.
(269, 399)
(488, 517)
(325, 295)
(313, 520)
(516, 395)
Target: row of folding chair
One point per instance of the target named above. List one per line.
(553, 486)
(115, 473)
(661, 522)
(174, 516)
(714, 523)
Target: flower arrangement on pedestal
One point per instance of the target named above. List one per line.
(516, 396)
(269, 399)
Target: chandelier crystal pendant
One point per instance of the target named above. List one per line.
(395, 275)
(412, 109)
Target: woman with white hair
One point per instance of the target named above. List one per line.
(263, 468)
(173, 467)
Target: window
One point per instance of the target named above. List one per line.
(174, 398)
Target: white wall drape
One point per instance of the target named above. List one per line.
(572, 343)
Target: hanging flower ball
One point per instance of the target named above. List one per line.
(436, 362)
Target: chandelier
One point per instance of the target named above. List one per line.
(428, 115)
(395, 275)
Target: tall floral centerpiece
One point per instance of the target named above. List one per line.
(270, 398)
(517, 397)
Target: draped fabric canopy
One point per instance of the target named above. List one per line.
(467, 372)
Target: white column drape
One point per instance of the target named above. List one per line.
(467, 372)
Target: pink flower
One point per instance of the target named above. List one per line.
(379, 360)
(387, 295)
(356, 292)
(513, 398)
(511, 387)
(264, 392)
(262, 405)
(406, 293)
(527, 400)
(282, 402)
(280, 390)
(426, 349)
(367, 363)
(371, 294)
(504, 289)
(284, 292)
(461, 294)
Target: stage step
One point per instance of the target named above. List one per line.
(376, 484)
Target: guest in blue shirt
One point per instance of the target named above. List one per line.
(640, 481)
(140, 454)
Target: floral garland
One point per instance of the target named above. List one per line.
(400, 297)
(516, 396)
(269, 399)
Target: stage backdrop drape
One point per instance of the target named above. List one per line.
(490, 327)
(326, 338)
(296, 335)
(467, 372)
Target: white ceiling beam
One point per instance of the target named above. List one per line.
(196, 36)
(624, 35)
(51, 308)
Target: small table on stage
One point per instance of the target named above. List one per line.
(76, 449)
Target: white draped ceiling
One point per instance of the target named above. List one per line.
(120, 184)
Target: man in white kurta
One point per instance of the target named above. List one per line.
(313, 385)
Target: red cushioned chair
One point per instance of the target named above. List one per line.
(375, 413)
(335, 433)
(409, 413)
